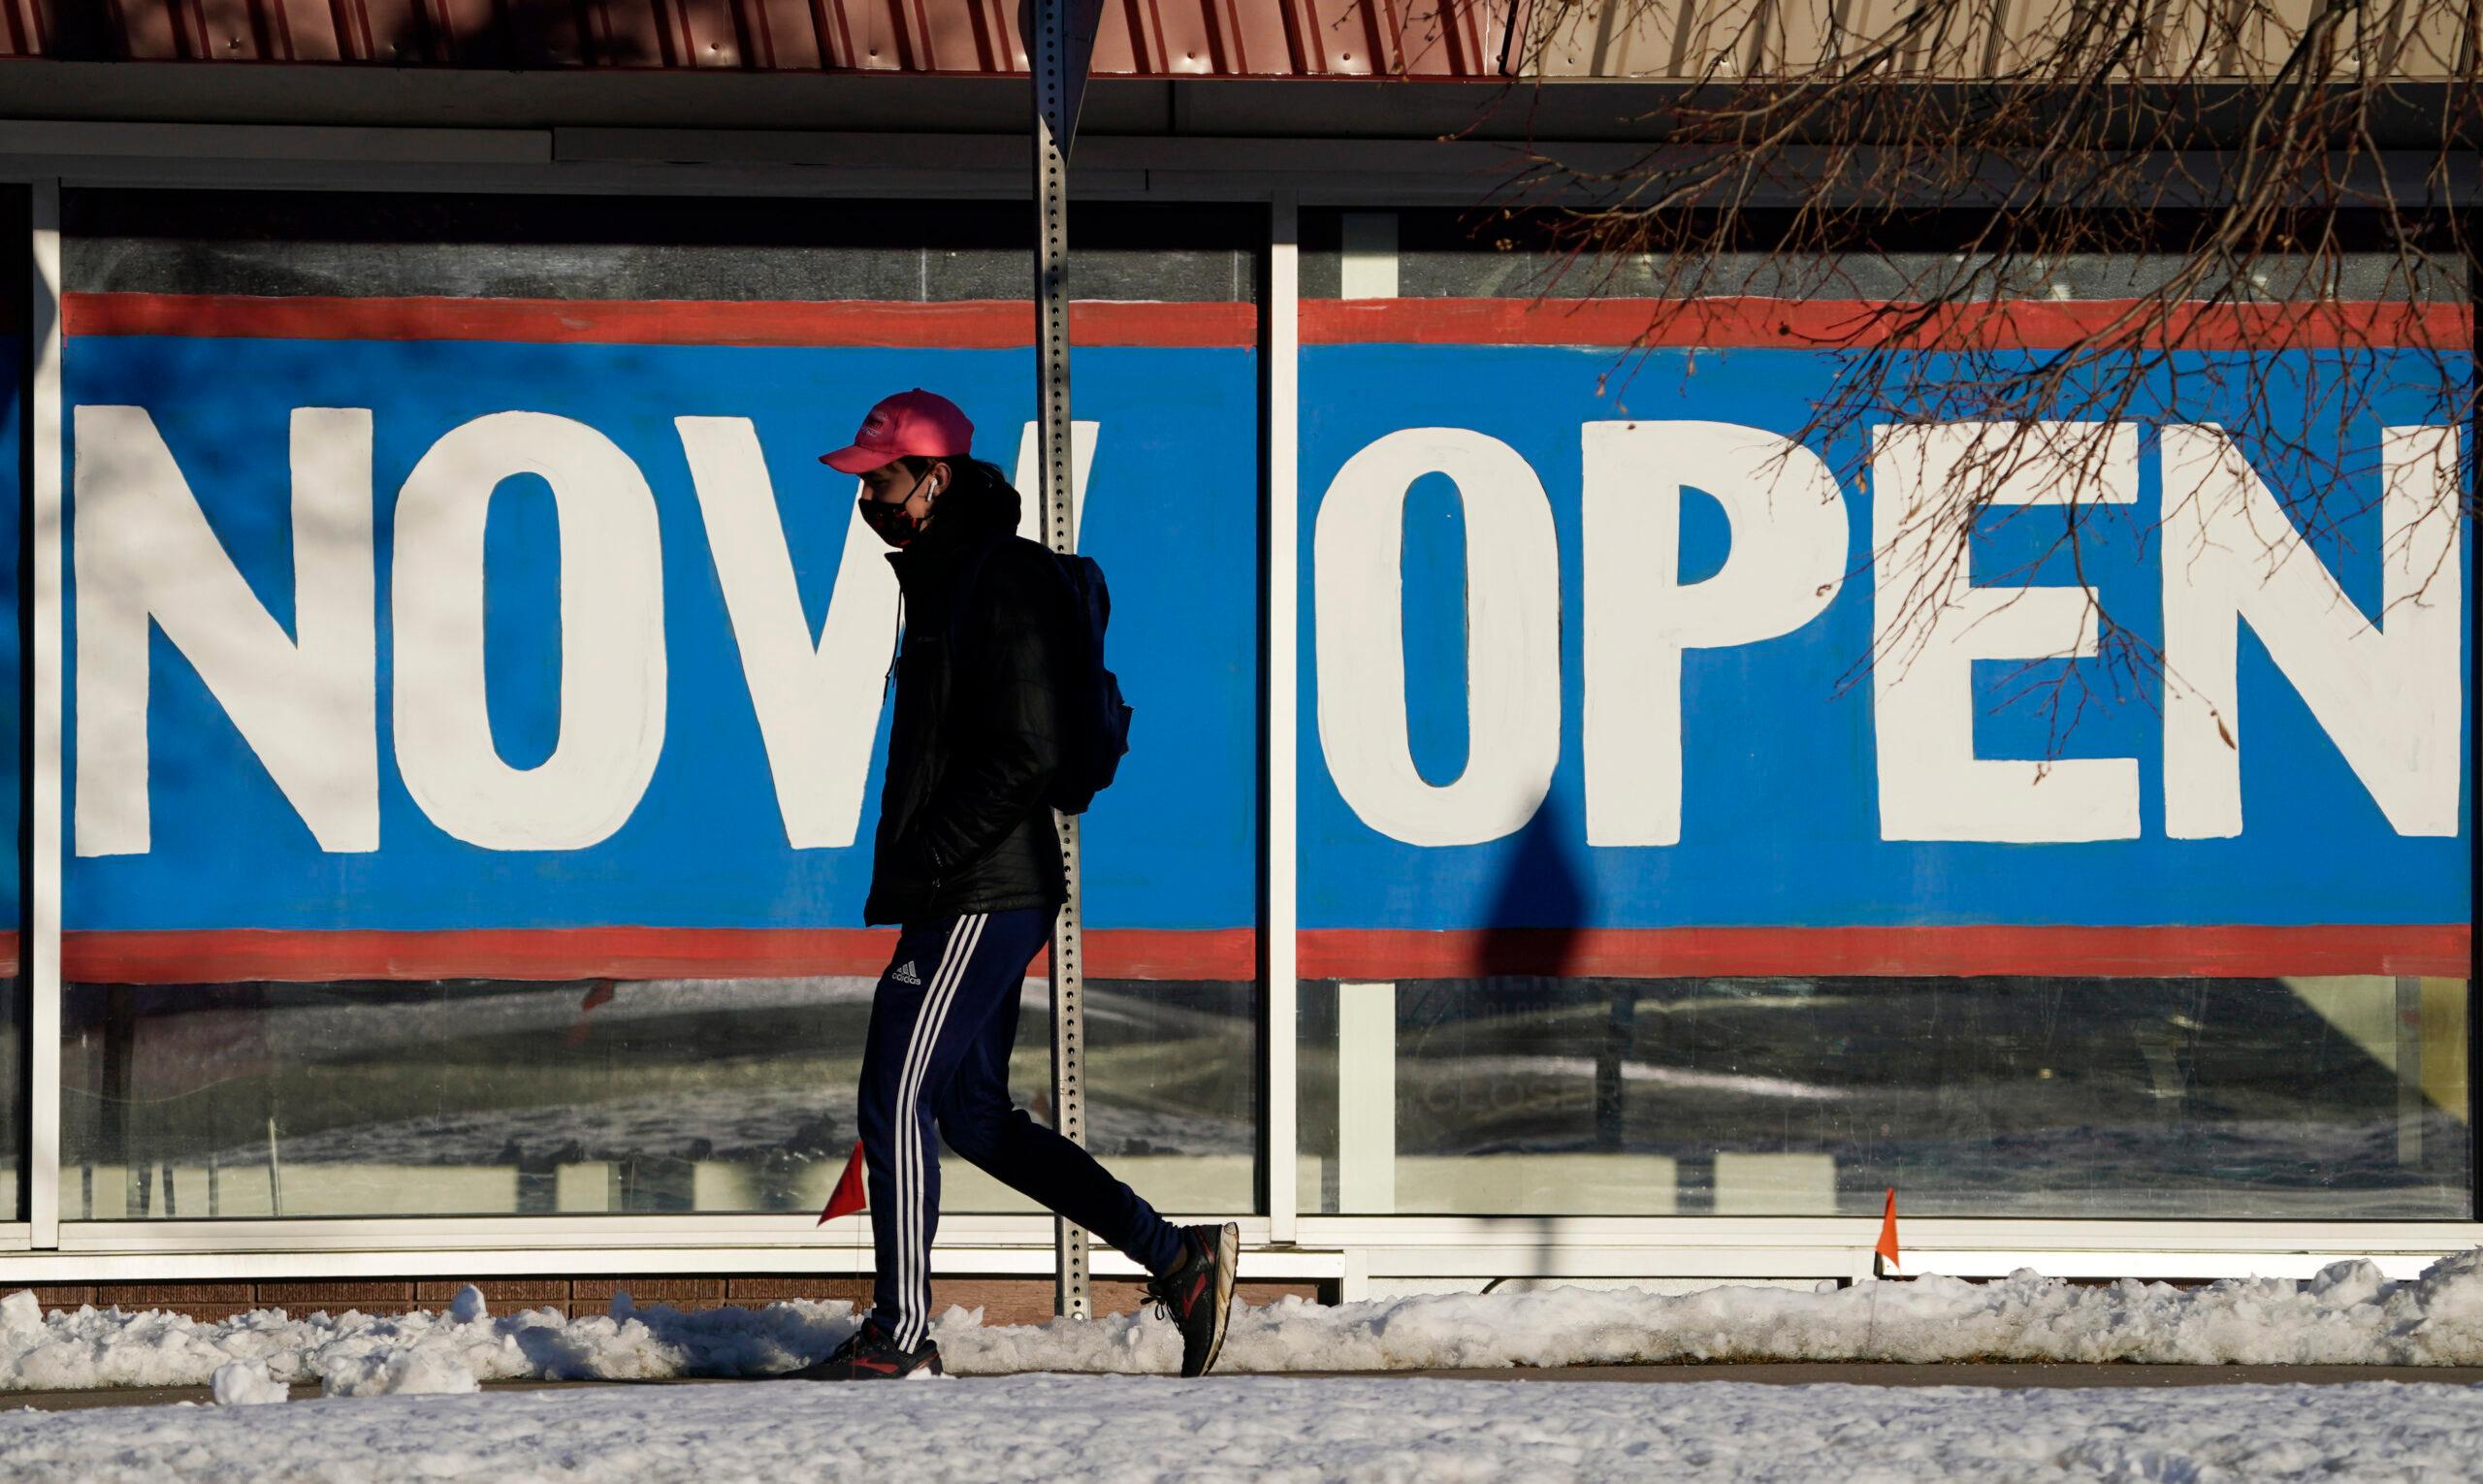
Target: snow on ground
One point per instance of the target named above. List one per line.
(1128, 1430)
(2349, 1314)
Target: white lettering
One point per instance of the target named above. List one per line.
(1785, 565)
(1930, 623)
(612, 647)
(1030, 479)
(306, 704)
(817, 704)
(2389, 696)
(1512, 638)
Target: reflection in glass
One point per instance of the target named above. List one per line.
(259, 1100)
(2310, 1098)
(1452, 253)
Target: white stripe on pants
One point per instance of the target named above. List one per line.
(914, 1278)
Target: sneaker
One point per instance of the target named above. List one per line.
(1197, 1292)
(870, 1354)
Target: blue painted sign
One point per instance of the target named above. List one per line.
(1600, 702)
(407, 635)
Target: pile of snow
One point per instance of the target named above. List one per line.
(424, 1371)
(246, 1383)
(2349, 1314)
(468, 1307)
(1136, 1431)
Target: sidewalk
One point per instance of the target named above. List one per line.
(1048, 1428)
(2015, 1376)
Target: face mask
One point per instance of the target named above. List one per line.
(892, 524)
(890, 521)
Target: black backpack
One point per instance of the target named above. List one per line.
(1094, 719)
(1096, 737)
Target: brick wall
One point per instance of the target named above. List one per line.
(1002, 1299)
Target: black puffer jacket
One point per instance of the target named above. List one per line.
(973, 746)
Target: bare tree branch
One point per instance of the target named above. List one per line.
(2250, 205)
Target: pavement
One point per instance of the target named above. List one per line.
(2008, 1376)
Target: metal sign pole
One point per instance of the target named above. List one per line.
(1057, 74)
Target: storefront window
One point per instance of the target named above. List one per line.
(2321, 1099)
(1523, 256)
(461, 624)
(1662, 852)
(1745, 769)
(488, 1099)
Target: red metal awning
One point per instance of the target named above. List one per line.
(1446, 38)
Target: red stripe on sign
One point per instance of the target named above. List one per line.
(1666, 953)
(1007, 324)
(11, 965)
(240, 955)
(1231, 954)
(1802, 324)
(995, 324)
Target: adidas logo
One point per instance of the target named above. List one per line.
(905, 974)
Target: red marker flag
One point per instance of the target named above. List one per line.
(848, 1197)
(1887, 1246)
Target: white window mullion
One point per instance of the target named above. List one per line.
(39, 955)
(1283, 601)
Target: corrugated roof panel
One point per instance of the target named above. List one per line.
(305, 31)
(1228, 50)
(471, 33)
(671, 19)
(875, 36)
(1183, 41)
(1449, 39)
(1113, 53)
(537, 35)
(1473, 46)
(1254, 37)
(949, 38)
(710, 34)
(996, 21)
(782, 36)
(144, 30)
(1343, 40)
(229, 28)
(1156, 38)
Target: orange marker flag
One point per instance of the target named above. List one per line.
(1888, 1245)
(848, 1197)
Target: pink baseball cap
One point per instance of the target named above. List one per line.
(916, 424)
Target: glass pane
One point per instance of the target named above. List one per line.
(476, 817)
(470, 1099)
(1453, 254)
(1172, 1094)
(1765, 739)
(2295, 1099)
(16, 287)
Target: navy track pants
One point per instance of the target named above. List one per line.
(937, 1065)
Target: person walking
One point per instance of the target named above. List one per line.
(968, 864)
